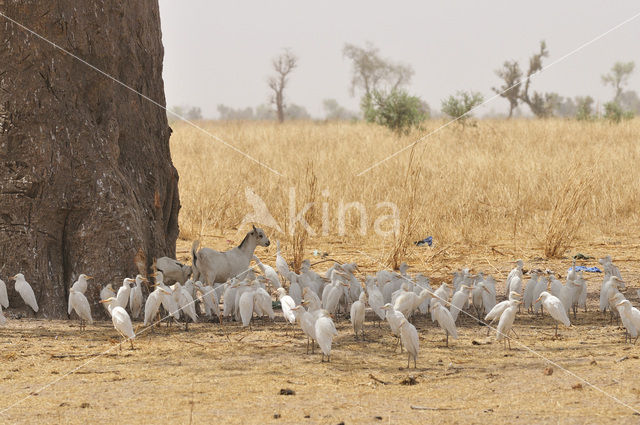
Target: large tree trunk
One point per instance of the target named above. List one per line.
(86, 178)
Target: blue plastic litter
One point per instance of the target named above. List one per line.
(426, 241)
(587, 269)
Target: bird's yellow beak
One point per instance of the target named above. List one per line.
(12, 278)
(89, 277)
(620, 303)
(153, 274)
(538, 299)
(104, 301)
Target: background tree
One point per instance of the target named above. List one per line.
(584, 108)
(86, 178)
(541, 104)
(371, 72)
(396, 110)
(283, 65)
(335, 112)
(618, 78)
(511, 74)
(459, 106)
(232, 114)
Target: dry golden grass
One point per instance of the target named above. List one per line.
(475, 187)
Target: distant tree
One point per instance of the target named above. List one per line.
(459, 106)
(297, 112)
(191, 113)
(396, 110)
(564, 107)
(618, 78)
(265, 112)
(584, 108)
(614, 112)
(231, 114)
(283, 65)
(371, 72)
(630, 101)
(511, 74)
(334, 112)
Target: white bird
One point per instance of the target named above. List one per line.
(517, 271)
(269, 273)
(325, 331)
(295, 291)
(498, 309)
(186, 304)
(25, 291)
(529, 290)
(506, 322)
(555, 308)
(281, 263)
(394, 318)
(287, 304)
(312, 299)
(106, 293)
(630, 319)
(121, 320)
(445, 320)
(262, 302)
(3, 319)
(168, 301)
(357, 314)
(246, 307)
(122, 296)
(376, 299)
(410, 341)
(308, 324)
(135, 297)
(208, 298)
(79, 303)
(81, 284)
(459, 300)
(152, 305)
(4, 298)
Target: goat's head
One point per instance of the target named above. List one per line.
(260, 236)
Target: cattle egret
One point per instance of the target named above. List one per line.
(394, 318)
(269, 272)
(376, 299)
(307, 321)
(246, 307)
(122, 296)
(555, 309)
(325, 331)
(186, 304)
(281, 263)
(3, 319)
(25, 291)
(152, 305)
(410, 341)
(121, 320)
(79, 303)
(517, 271)
(498, 309)
(443, 316)
(357, 314)
(459, 300)
(506, 321)
(4, 298)
(135, 297)
(106, 293)
(287, 304)
(529, 291)
(168, 301)
(81, 284)
(630, 319)
(312, 299)
(407, 302)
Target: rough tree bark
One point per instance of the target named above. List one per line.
(86, 178)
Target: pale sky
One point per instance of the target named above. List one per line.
(220, 52)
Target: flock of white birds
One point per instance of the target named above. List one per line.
(313, 300)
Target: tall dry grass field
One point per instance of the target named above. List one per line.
(535, 183)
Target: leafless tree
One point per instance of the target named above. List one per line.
(282, 64)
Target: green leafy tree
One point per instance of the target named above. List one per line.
(511, 75)
(396, 110)
(459, 106)
(614, 112)
(618, 78)
(584, 108)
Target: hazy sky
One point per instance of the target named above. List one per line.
(220, 52)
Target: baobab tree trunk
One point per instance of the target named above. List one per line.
(86, 178)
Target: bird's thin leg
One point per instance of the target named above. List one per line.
(131, 341)
(313, 346)
(514, 332)
(363, 333)
(556, 330)
(307, 345)
(447, 332)
(635, 340)
(509, 342)
(489, 327)
(408, 359)
(414, 362)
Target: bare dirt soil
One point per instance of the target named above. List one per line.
(50, 372)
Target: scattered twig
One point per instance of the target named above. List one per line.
(190, 342)
(324, 261)
(431, 408)
(380, 381)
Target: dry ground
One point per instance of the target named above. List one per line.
(215, 374)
